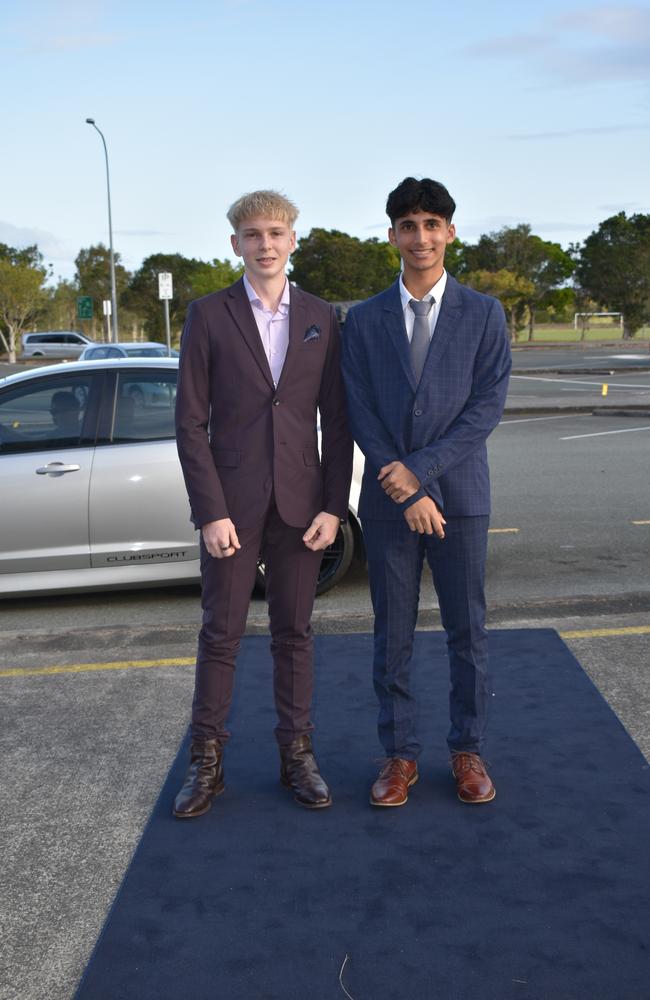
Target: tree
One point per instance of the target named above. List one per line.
(454, 258)
(341, 268)
(22, 297)
(60, 309)
(93, 277)
(211, 277)
(513, 292)
(516, 249)
(613, 268)
(141, 296)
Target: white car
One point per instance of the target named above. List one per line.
(128, 349)
(92, 491)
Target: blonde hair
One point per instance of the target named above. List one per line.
(270, 204)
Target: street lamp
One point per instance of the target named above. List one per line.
(91, 121)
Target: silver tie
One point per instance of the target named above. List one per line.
(420, 339)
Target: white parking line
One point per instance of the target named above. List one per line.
(624, 430)
(528, 420)
(579, 381)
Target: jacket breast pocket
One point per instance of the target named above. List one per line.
(310, 456)
(226, 457)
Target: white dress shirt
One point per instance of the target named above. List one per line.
(436, 293)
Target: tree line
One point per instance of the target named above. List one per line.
(610, 271)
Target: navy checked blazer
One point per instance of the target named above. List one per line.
(437, 428)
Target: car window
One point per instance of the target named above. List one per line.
(147, 352)
(144, 406)
(44, 414)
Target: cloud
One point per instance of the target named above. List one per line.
(600, 44)
(143, 232)
(72, 42)
(511, 45)
(627, 23)
(472, 229)
(569, 133)
(24, 236)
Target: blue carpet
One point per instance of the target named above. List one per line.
(542, 895)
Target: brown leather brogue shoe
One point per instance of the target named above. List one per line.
(392, 786)
(203, 781)
(473, 783)
(299, 772)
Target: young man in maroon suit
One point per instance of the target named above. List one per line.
(258, 361)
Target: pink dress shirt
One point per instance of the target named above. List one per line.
(273, 327)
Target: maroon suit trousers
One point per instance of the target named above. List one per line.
(291, 571)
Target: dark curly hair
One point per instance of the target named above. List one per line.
(424, 195)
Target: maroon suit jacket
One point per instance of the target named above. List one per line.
(239, 438)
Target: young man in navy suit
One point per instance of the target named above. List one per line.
(426, 365)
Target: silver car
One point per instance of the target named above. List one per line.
(91, 486)
(54, 344)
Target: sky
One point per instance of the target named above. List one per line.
(528, 113)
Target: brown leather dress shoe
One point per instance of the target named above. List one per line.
(473, 783)
(392, 786)
(299, 772)
(203, 781)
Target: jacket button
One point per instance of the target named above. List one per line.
(276, 402)
(418, 413)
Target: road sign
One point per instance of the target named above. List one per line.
(107, 307)
(84, 307)
(165, 285)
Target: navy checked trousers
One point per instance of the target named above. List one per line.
(457, 563)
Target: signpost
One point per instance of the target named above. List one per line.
(106, 306)
(165, 292)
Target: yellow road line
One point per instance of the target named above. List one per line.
(80, 668)
(599, 633)
(502, 531)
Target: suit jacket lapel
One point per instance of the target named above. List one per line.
(394, 325)
(297, 327)
(447, 324)
(241, 312)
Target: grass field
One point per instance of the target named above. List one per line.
(552, 333)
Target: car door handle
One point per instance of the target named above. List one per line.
(56, 469)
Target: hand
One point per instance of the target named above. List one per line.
(220, 538)
(424, 517)
(398, 481)
(321, 532)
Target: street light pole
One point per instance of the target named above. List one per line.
(91, 121)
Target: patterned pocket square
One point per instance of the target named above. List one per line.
(311, 333)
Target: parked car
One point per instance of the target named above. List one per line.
(92, 491)
(129, 349)
(54, 344)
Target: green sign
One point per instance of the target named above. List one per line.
(84, 307)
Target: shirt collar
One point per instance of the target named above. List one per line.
(437, 290)
(254, 298)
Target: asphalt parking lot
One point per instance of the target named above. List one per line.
(96, 688)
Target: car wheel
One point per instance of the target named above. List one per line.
(336, 561)
(137, 396)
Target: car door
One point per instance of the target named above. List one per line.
(139, 511)
(47, 438)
